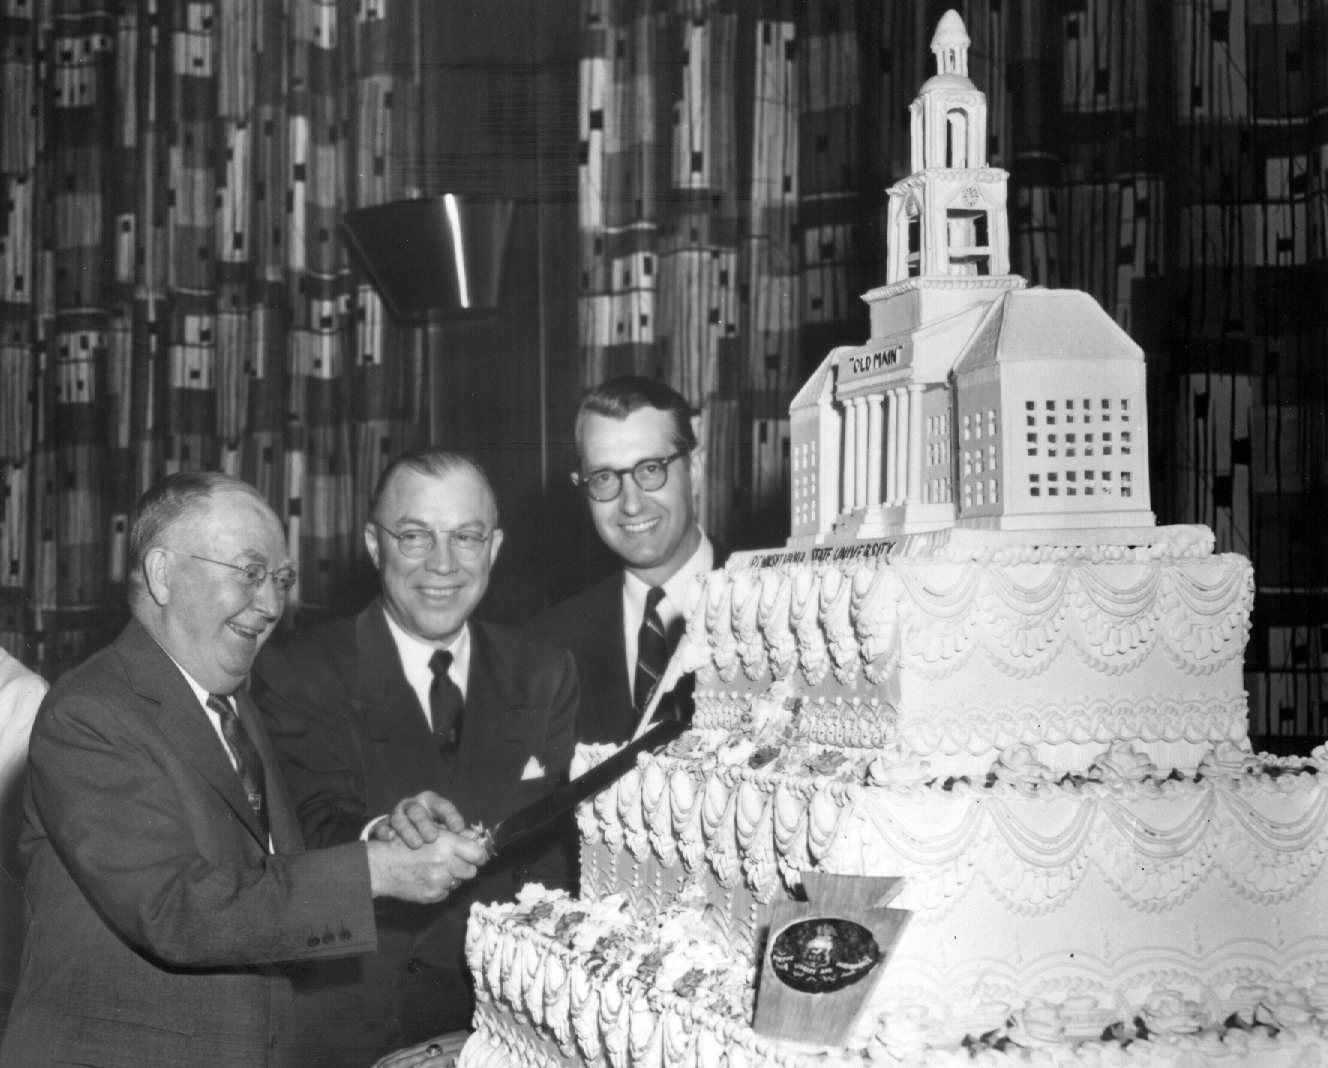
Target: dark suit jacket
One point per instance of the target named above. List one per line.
(590, 626)
(158, 912)
(353, 741)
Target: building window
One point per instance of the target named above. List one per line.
(1030, 405)
(1032, 438)
(1034, 490)
(1125, 410)
(991, 491)
(1106, 444)
(1051, 406)
(978, 489)
(1051, 420)
(965, 428)
(1125, 442)
(968, 462)
(977, 460)
(991, 457)
(1031, 420)
(991, 422)
(968, 495)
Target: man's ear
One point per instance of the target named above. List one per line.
(495, 543)
(371, 542)
(157, 575)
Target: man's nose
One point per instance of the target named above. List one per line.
(632, 498)
(440, 557)
(268, 599)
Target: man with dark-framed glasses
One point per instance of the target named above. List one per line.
(379, 717)
(639, 469)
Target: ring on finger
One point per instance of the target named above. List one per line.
(433, 1050)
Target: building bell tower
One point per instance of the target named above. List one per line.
(948, 218)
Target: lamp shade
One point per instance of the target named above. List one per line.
(438, 257)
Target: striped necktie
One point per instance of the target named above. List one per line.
(248, 763)
(652, 651)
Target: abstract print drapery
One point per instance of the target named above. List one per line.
(1168, 156)
(172, 291)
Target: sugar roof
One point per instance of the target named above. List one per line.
(1047, 324)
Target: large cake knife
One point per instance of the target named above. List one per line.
(538, 818)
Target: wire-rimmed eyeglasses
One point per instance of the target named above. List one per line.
(606, 484)
(416, 543)
(253, 575)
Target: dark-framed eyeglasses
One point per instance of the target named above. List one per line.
(252, 575)
(606, 484)
(416, 543)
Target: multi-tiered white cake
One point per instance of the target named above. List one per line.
(977, 665)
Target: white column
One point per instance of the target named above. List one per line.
(915, 442)
(891, 419)
(863, 462)
(900, 442)
(875, 447)
(850, 480)
(827, 475)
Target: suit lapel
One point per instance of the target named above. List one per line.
(153, 675)
(283, 824)
(607, 657)
(393, 724)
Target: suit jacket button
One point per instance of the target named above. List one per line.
(414, 965)
(313, 941)
(345, 935)
(329, 938)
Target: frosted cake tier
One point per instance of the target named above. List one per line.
(956, 645)
(1022, 883)
(566, 984)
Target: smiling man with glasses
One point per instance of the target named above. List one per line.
(165, 866)
(640, 467)
(413, 699)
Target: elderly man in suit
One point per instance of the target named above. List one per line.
(411, 696)
(640, 464)
(165, 868)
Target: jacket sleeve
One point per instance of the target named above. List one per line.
(315, 747)
(169, 869)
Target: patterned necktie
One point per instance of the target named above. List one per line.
(652, 652)
(248, 763)
(445, 703)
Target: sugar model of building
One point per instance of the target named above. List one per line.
(977, 402)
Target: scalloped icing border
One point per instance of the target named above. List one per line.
(757, 829)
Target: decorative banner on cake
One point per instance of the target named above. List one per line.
(823, 957)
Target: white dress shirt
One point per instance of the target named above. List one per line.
(671, 604)
(415, 656)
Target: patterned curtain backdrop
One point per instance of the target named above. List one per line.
(172, 291)
(1171, 158)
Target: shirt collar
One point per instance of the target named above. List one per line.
(701, 562)
(415, 655)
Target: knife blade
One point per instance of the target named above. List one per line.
(533, 819)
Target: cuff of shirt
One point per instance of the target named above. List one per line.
(368, 827)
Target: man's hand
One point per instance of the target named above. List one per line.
(418, 820)
(427, 874)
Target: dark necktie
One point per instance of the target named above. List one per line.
(652, 652)
(445, 703)
(248, 763)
